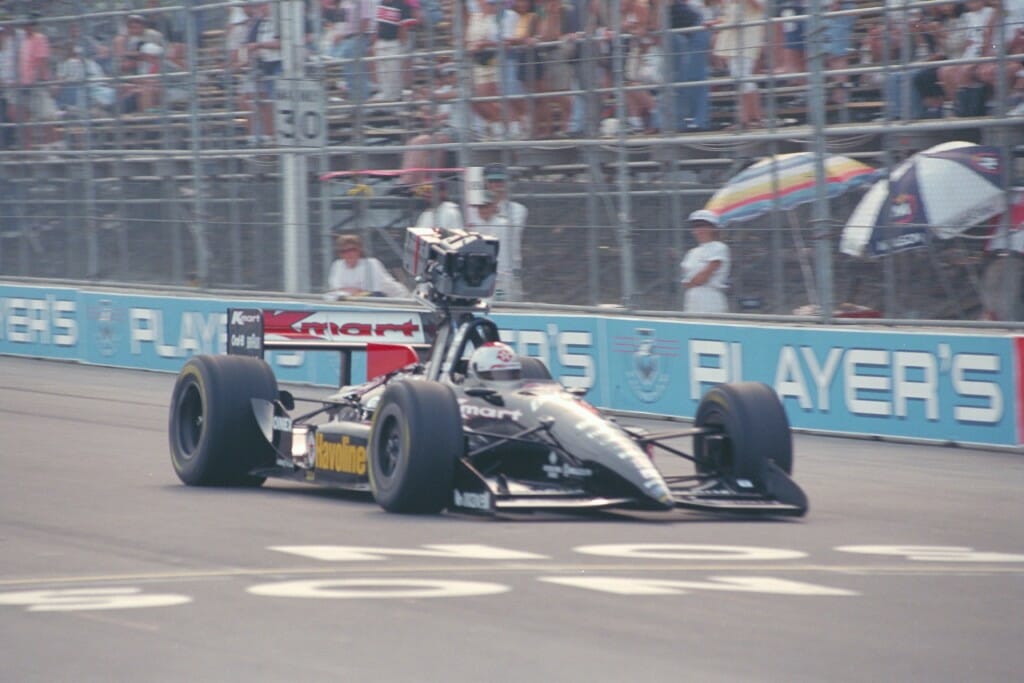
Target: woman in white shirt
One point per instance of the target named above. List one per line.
(705, 268)
(353, 275)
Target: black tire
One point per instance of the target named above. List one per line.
(415, 440)
(534, 368)
(214, 437)
(755, 427)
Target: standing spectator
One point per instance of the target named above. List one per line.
(705, 268)
(34, 102)
(523, 55)
(794, 59)
(838, 32)
(488, 217)
(496, 182)
(643, 65)
(352, 30)
(690, 57)
(739, 41)
(482, 46)
(8, 79)
(559, 34)
(263, 46)
(512, 52)
(483, 217)
(393, 17)
(352, 274)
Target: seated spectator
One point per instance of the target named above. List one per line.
(443, 212)
(83, 88)
(171, 27)
(977, 31)
(1011, 21)
(445, 113)
(352, 274)
(137, 54)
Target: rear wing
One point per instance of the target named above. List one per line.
(252, 331)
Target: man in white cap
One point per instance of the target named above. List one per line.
(705, 268)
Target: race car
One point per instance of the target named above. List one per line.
(452, 418)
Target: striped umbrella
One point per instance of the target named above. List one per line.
(784, 181)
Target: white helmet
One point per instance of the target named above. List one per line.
(495, 361)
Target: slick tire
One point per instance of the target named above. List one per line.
(754, 427)
(415, 439)
(534, 368)
(214, 437)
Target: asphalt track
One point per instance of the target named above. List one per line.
(909, 567)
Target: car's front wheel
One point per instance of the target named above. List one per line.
(415, 441)
(753, 430)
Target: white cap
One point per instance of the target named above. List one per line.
(151, 49)
(706, 216)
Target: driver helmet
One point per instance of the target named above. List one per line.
(495, 362)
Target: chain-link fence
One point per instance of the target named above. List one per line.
(150, 148)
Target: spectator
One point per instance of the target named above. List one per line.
(354, 46)
(444, 116)
(1010, 16)
(838, 35)
(496, 182)
(977, 42)
(705, 268)
(514, 37)
(172, 28)
(82, 86)
(484, 217)
(794, 59)
(515, 215)
(643, 66)
(263, 48)
(690, 58)
(482, 45)
(739, 41)
(559, 33)
(137, 54)
(352, 274)
(8, 78)
(931, 31)
(444, 213)
(35, 105)
(393, 17)
(524, 53)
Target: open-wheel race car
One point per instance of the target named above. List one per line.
(451, 418)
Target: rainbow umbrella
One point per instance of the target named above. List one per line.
(784, 181)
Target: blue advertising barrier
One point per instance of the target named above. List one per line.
(944, 386)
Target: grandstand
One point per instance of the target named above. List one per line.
(178, 196)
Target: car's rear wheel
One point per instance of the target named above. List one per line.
(415, 441)
(753, 430)
(534, 368)
(214, 437)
